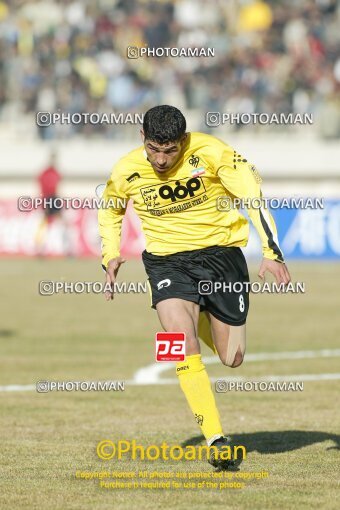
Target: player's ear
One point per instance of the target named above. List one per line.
(142, 135)
(184, 137)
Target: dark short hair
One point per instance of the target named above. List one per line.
(164, 124)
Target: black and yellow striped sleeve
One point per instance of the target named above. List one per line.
(241, 179)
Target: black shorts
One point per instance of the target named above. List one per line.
(202, 276)
(51, 209)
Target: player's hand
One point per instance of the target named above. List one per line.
(111, 274)
(277, 269)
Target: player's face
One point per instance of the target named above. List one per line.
(163, 157)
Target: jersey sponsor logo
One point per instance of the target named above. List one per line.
(170, 346)
(163, 283)
(194, 160)
(163, 195)
(133, 177)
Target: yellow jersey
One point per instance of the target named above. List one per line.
(187, 207)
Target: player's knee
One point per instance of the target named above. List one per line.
(233, 360)
(238, 360)
(235, 347)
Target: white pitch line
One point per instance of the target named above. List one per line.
(174, 380)
(150, 374)
(290, 378)
(18, 387)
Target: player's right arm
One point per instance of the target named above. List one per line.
(110, 217)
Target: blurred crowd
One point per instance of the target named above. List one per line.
(71, 56)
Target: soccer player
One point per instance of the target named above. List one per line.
(175, 180)
(49, 181)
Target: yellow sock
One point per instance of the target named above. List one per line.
(204, 331)
(195, 383)
(40, 233)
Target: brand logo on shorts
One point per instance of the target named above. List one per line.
(170, 346)
(163, 283)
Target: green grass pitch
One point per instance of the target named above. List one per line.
(46, 438)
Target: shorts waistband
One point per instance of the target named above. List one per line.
(188, 253)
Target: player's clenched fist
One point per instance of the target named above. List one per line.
(111, 274)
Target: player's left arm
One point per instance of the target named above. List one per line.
(242, 180)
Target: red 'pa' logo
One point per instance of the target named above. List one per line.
(170, 346)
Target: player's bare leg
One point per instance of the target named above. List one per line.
(230, 341)
(230, 344)
(179, 315)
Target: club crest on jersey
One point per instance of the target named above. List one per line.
(198, 171)
(194, 160)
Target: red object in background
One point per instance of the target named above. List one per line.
(18, 231)
(316, 47)
(170, 346)
(265, 60)
(49, 180)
